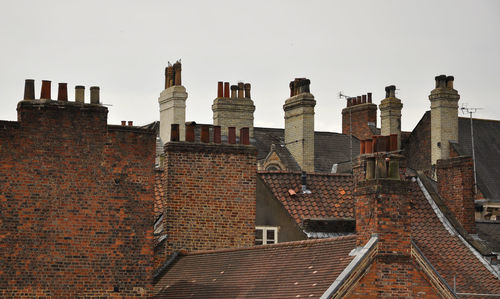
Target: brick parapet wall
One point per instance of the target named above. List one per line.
(360, 116)
(77, 204)
(210, 196)
(456, 186)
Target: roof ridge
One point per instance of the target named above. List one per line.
(283, 244)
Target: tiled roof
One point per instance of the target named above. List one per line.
(487, 150)
(330, 197)
(302, 269)
(446, 252)
(159, 193)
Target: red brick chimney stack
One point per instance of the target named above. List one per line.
(205, 134)
(190, 131)
(244, 136)
(217, 134)
(455, 179)
(358, 116)
(231, 136)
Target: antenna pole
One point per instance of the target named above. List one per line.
(470, 111)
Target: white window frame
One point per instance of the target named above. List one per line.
(265, 229)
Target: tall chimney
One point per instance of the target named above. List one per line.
(390, 114)
(226, 89)
(444, 117)
(299, 124)
(236, 111)
(80, 94)
(45, 92)
(29, 89)
(172, 102)
(359, 117)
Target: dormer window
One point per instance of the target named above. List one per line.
(266, 235)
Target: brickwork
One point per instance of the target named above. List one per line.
(360, 115)
(76, 202)
(299, 129)
(418, 148)
(444, 117)
(390, 279)
(210, 196)
(456, 186)
(382, 207)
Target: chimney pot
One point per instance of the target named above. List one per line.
(80, 94)
(292, 89)
(245, 136)
(226, 89)
(220, 91)
(387, 91)
(190, 131)
(217, 134)
(307, 84)
(169, 77)
(45, 92)
(241, 88)
(441, 81)
(174, 132)
(392, 91)
(247, 90)
(231, 135)
(363, 99)
(234, 89)
(205, 134)
(369, 97)
(62, 94)
(130, 123)
(94, 95)
(177, 73)
(29, 89)
(368, 146)
(358, 100)
(393, 142)
(124, 123)
(449, 82)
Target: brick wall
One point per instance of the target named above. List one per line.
(455, 184)
(210, 196)
(418, 147)
(360, 116)
(390, 279)
(76, 202)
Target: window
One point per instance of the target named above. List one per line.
(266, 235)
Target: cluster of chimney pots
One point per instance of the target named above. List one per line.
(240, 91)
(205, 134)
(62, 95)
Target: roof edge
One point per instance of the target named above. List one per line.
(283, 244)
(354, 270)
(451, 229)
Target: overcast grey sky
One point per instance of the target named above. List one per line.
(350, 46)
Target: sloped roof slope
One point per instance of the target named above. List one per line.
(330, 197)
(286, 270)
(487, 151)
(446, 252)
(329, 148)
